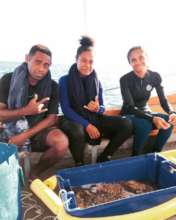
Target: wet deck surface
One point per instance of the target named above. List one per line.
(35, 209)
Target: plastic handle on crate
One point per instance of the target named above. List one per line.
(65, 198)
(64, 183)
(54, 203)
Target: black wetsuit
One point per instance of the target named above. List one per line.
(135, 93)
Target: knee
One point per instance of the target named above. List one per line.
(58, 140)
(127, 125)
(142, 127)
(77, 131)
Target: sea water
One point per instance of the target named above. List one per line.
(109, 80)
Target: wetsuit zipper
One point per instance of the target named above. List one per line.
(141, 83)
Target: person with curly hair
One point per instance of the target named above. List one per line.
(81, 98)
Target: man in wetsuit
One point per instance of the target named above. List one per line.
(136, 87)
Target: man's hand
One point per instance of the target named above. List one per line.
(18, 140)
(172, 119)
(160, 123)
(93, 106)
(35, 107)
(92, 131)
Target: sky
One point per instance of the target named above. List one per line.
(116, 25)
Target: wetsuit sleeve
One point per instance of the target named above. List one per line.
(101, 102)
(129, 104)
(65, 104)
(161, 94)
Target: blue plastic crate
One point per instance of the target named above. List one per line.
(152, 168)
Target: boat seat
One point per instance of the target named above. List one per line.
(114, 111)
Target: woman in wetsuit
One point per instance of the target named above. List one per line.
(136, 87)
(81, 98)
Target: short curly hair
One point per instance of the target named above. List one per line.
(41, 48)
